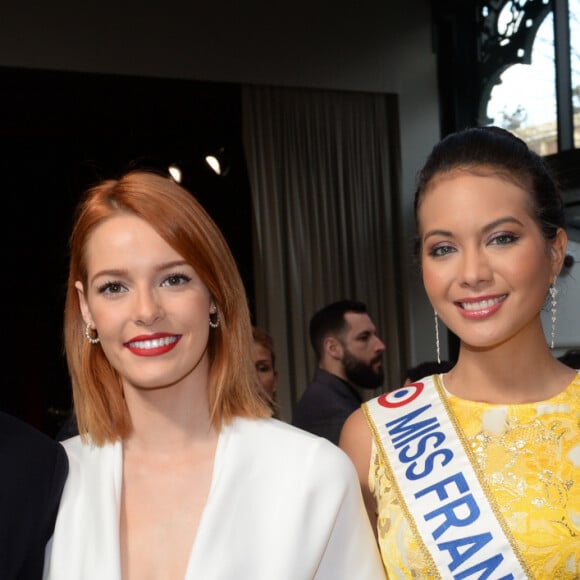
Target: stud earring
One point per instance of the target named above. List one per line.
(553, 310)
(92, 339)
(216, 322)
(437, 346)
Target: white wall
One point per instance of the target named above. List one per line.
(368, 45)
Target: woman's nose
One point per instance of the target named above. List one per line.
(148, 308)
(475, 267)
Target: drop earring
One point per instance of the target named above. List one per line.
(553, 311)
(437, 346)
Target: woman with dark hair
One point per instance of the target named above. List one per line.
(475, 473)
(571, 358)
(178, 471)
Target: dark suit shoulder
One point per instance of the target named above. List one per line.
(34, 468)
(15, 432)
(32, 458)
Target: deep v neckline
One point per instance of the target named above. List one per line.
(218, 463)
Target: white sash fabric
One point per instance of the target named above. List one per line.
(441, 490)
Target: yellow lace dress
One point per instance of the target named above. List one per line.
(530, 456)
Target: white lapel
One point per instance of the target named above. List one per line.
(89, 516)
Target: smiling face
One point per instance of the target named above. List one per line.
(486, 265)
(148, 306)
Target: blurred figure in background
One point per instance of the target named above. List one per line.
(265, 362)
(426, 369)
(571, 358)
(349, 354)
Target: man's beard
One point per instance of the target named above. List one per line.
(362, 374)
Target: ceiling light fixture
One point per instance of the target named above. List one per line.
(218, 162)
(174, 173)
(214, 163)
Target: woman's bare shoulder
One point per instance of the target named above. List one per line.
(356, 440)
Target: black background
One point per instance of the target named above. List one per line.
(61, 132)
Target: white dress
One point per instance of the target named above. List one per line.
(283, 505)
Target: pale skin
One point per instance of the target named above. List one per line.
(138, 286)
(486, 270)
(264, 367)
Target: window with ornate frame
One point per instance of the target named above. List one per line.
(530, 70)
(479, 42)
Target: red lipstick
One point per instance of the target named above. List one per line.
(152, 344)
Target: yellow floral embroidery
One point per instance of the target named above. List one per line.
(530, 456)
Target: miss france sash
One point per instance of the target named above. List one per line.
(441, 489)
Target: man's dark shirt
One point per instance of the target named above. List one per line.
(34, 469)
(325, 405)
